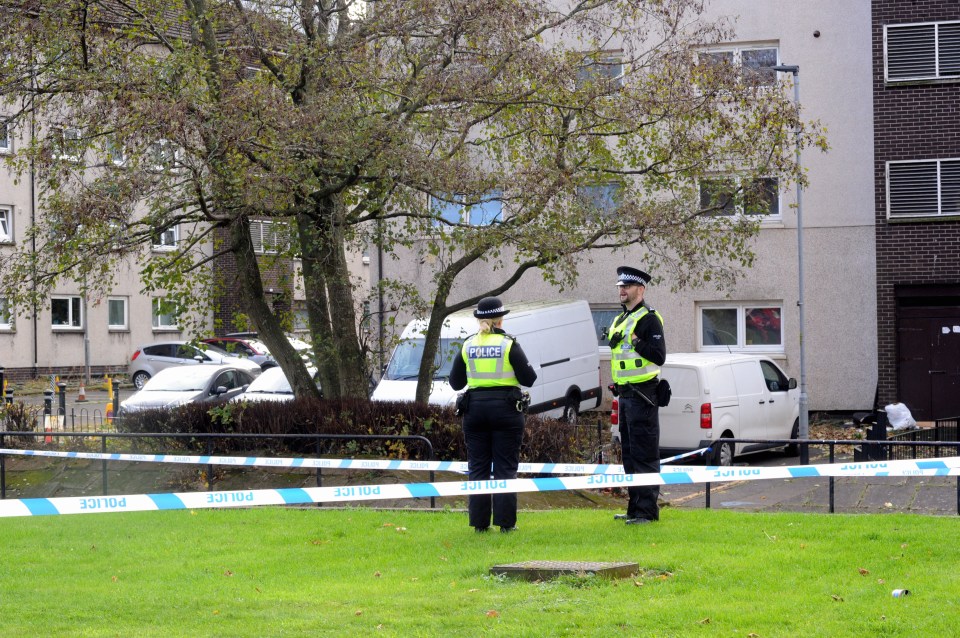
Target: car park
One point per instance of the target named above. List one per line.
(248, 347)
(726, 396)
(194, 384)
(150, 359)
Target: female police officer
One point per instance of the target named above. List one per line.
(492, 366)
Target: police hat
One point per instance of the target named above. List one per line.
(627, 276)
(490, 308)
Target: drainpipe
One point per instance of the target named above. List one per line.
(33, 222)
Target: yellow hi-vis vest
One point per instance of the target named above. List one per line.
(627, 366)
(488, 361)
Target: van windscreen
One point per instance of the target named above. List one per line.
(405, 362)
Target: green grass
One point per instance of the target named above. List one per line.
(326, 572)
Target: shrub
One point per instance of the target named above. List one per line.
(294, 424)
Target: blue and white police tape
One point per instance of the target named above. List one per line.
(301, 496)
(340, 464)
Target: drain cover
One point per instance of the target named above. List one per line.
(547, 569)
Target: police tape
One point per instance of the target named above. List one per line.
(310, 495)
(340, 464)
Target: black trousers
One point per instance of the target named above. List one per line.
(640, 438)
(493, 430)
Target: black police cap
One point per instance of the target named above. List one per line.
(490, 308)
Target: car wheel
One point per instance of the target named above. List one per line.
(571, 411)
(793, 449)
(723, 455)
(139, 379)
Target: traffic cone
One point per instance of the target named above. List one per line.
(82, 395)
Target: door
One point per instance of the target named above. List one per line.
(779, 414)
(928, 364)
(753, 400)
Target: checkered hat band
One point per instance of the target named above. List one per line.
(490, 312)
(625, 278)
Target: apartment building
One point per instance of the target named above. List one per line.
(916, 96)
(830, 42)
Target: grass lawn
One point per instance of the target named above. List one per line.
(359, 572)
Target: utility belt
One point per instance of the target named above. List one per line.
(513, 395)
(655, 392)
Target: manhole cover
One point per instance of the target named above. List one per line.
(547, 569)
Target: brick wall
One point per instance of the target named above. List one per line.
(910, 122)
(276, 275)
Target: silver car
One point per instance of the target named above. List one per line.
(150, 359)
(195, 384)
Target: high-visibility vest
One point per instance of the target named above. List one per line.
(487, 356)
(626, 364)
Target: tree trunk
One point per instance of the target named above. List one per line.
(259, 311)
(431, 343)
(329, 293)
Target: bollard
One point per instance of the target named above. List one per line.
(47, 411)
(9, 396)
(3, 381)
(62, 398)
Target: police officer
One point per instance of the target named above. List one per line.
(492, 366)
(637, 350)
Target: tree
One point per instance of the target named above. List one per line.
(342, 120)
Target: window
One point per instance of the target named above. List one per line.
(117, 313)
(601, 198)
(269, 237)
(166, 239)
(728, 327)
(164, 314)
(732, 196)
(6, 224)
(755, 63)
(602, 320)
(66, 144)
(6, 320)
(115, 152)
(604, 71)
(925, 188)
(163, 155)
(455, 210)
(927, 51)
(66, 312)
(6, 141)
(301, 322)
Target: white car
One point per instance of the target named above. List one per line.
(272, 385)
(726, 396)
(189, 384)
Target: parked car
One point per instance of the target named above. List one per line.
(194, 384)
(272, 385)
(304, 349)
(720, 395)
(248, 347)
(150, 359)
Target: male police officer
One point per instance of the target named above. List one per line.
(637, 350)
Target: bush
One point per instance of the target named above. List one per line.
(545, 440)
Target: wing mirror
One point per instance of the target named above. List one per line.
(792, 383)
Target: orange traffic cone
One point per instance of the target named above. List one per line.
(82, 395)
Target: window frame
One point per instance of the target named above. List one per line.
(741, 308)
(6, 137)
(164, 156)
(125, 326)
(6, 213)
(739, 208)
(603, 345)
(736, 50)
(65, 135)
(158, 244)
(6, 318)
(593, 71)
(74, 303)
(937, 76)
(156, 316)
(939, 214)
(464, 211)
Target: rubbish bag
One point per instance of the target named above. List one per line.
(899, 417)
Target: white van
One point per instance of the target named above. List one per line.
(558, 337)
(719, 395)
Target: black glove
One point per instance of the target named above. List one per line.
(615, 339)
(636, 343)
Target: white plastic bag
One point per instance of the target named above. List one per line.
(899, 416)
